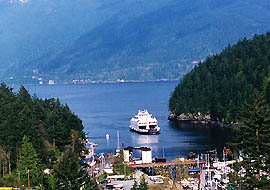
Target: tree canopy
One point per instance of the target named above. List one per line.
(221, 84)
(69, 173)
(253, 142)
(39, 134)
(28, 163)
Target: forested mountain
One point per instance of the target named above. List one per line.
(222, 83)
(128, 39)
(36, 135)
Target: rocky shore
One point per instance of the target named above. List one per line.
(199, 118)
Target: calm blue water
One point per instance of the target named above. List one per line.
(107, 108)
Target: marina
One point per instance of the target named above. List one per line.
(106, 120)
(202, 171)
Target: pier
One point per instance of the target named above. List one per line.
(171, 163)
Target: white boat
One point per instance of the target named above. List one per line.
(144, 123)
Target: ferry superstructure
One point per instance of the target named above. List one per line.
(144, 123)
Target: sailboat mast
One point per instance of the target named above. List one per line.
(118, 144)
(163, 152)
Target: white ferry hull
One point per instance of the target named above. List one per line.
(144, 123)
(145, 132)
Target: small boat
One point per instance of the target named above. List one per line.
(144, 123)
(107, 137)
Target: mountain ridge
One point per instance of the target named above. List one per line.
(138, 42)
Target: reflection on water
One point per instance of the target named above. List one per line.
(107, 138)
(151, 141)
(144, 140)
(212, 137)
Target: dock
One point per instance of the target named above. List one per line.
(171, 163)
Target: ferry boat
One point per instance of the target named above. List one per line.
(144, 123)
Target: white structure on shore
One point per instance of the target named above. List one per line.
(146, 155)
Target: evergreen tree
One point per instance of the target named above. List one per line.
(50, 128)
(92, 185)
(28, 163)
(222, 83)
(143, 184)
(135, 185)
(69, 174)
(253, 141)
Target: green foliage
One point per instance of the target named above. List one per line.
(28, 163)
(143, 184)
(163, 171)
(34, 135)
(101, 177)
(253, 141)
(120, 168)
(222, 83)
(181, 172)
(135, 185)
(51, 185)
(92, 185)
(69, 173)
(9, 181)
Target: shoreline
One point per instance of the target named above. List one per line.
(202, 121)
(92, 82)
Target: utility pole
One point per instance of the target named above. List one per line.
(19, 182)
(28, 180)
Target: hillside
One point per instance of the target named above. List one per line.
(36, 135)
(222, 83)
(130, 39)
